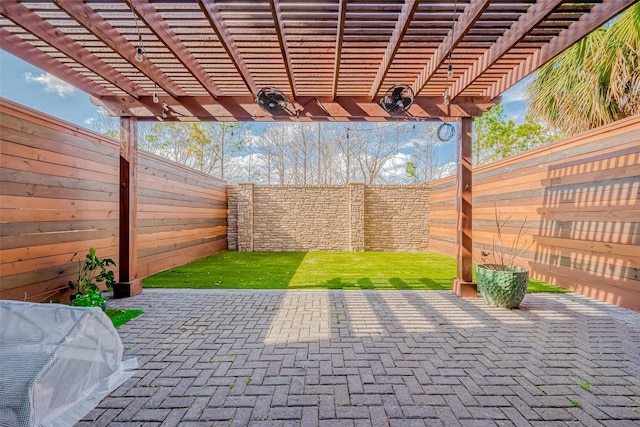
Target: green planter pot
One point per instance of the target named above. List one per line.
(502, 286)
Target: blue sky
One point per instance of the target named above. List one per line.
(25, 84)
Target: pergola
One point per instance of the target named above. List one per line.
(207, 60)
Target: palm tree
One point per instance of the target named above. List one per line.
(596, 81)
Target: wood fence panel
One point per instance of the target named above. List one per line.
(580, 198)
(60, 196)
(182, 215)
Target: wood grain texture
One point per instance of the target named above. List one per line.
(181, 215)
(580, 198)
(60, 195)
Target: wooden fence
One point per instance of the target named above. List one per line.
(182, 215)
(580, 198)
(60, 195)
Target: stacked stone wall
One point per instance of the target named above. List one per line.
(396, 218)
(353, 217)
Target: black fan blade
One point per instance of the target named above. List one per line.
(397, 93)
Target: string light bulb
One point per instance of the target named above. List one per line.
(446, 96)
(165, 108)
(155, 98)
(450, 68)
(139, 54)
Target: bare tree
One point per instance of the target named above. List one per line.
(273, 146)
(376, 148)
(425, 159)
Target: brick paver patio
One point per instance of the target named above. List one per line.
(361, 358)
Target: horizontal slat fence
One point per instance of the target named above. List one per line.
(580, 198)
(60, 196)
(182, 215)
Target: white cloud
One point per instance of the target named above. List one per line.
(393, 170)
(517, 92)
(50, 83)
(90, 121)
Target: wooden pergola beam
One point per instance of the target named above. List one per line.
(527, 22)
(212, 12)
(404, 20)
(98, 26)
(599, 15)
(170, 39)
(276, 13)
(46, 32)
(456, 34)
(341, 108)
(342, 15)
(27, 52)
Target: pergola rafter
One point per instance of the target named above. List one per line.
(598, 16)
(26, 51)
(278, 21)
(342, 13)
(460, 29)
(213, 15)
(104, 31)
(45, 31)
(527, 22)
(146, 12)
(408, 9)
(207, 57)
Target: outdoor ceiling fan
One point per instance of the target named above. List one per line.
(271, 99)
(397, 99)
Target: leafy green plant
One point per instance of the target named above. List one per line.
(575, 403)
(585, 385)
(93, 298)
(91, 271)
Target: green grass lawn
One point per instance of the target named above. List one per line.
(318, 270)
(120, 316)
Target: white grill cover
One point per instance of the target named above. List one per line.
(56, 363)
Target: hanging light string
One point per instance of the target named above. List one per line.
(453, 23)
(140, 48)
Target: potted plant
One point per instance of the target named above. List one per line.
(501, 283)
(91, 271)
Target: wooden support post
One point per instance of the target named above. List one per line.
(129, 284)
(463, 285)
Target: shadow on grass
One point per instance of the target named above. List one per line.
(317, 270)
(440, 285)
